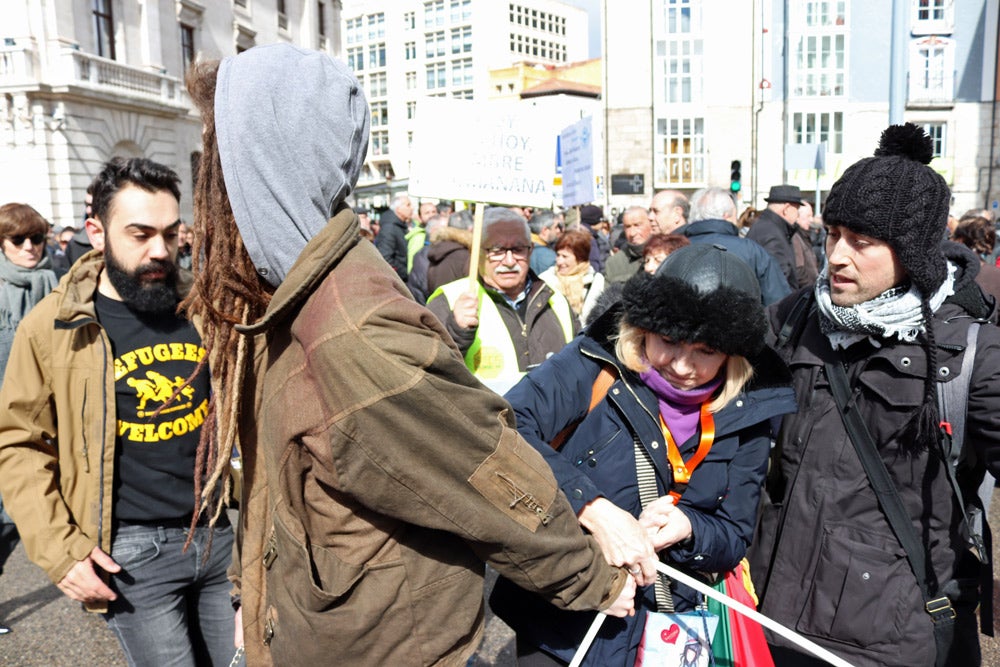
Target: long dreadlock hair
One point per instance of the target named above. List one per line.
(227, 291)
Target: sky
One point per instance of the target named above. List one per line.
(593, 8)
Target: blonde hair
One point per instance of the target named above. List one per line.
(630, 348)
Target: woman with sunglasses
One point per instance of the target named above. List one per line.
(26, 277)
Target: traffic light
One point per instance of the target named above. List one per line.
(735, 177)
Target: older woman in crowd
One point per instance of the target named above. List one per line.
(658, 247)
(25, 277)
(573, 276)
(687, 399)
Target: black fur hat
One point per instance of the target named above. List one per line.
(701, 293)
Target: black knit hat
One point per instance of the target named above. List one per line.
(701, 293)
(894, 196)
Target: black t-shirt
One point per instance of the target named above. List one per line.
(154, 456)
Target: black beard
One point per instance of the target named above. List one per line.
(142, 295)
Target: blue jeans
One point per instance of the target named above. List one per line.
(8, 536)
(172, 608)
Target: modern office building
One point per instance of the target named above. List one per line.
(84, 80)
(405, 50)
(704, 83)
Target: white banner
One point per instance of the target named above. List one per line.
(499, 153)
(576, 143)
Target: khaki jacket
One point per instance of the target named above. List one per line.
(379, 475)
(57, 425)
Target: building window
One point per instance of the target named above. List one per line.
(356, 58)
(680, 148)
(435, 44)
(936, 131)
(380, 114)
(820, 65)
(377, 85)
(376, 55)
(411, 109)
(433, 13)
(824, 12)
(933, 17)
(411, 80)
(819, 35)
(932, 70)
(437, 76)
(282, 16)
(461, 40)
(681, 60)
(461, 72)
(376, 26)
(410, 21)
(410, 49)
(680, 16)
(104, 29)
(187, 46)
(461, 10)
(380, 142)
(354, 35)
(819, 128)
(321, 19)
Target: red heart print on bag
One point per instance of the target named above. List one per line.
(671, 634)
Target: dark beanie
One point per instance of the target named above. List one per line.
(700, 294)
(895, 197)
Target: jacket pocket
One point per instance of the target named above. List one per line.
(309, 587)
(862, 590)
(515, 480)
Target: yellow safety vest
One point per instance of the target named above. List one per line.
(491, 356)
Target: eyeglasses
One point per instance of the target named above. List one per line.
(18, 239)
(497, 254)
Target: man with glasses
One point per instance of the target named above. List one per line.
(514, 321)
(774, 230)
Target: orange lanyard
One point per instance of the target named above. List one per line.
(682, 470)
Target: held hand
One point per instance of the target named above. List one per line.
(623, 541)
(238, 634)
(466, 311)
(83, 584)
(664, 523)
(624, 604)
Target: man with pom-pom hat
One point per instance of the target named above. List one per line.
(890, 318)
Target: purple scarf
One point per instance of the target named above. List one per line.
(679, 408)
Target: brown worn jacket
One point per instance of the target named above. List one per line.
(380, 475)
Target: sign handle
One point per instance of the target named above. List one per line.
(477, 237)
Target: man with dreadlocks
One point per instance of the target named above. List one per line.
(379, 475)
(865, 545)
(100, 415)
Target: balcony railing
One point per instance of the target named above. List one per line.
(19, 67)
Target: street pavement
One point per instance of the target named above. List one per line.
(51, 630)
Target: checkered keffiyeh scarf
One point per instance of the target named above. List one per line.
(895, 312)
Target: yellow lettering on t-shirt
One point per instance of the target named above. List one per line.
(177, 351)
(145, 355)
(161, 352)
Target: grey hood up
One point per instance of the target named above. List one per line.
(292, 127)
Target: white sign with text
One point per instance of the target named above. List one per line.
(498, 153)
(576, 143)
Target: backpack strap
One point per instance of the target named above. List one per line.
(602, 384)
(953, 402)
(791, 328)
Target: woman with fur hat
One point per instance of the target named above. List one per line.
(693, 390)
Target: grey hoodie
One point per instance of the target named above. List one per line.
(292, 127)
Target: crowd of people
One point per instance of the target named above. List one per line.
(808, 398)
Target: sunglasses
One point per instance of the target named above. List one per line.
(19, 239)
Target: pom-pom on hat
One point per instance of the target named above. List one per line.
(700, 294)
(895, 197)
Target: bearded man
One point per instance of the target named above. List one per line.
(102, 408)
